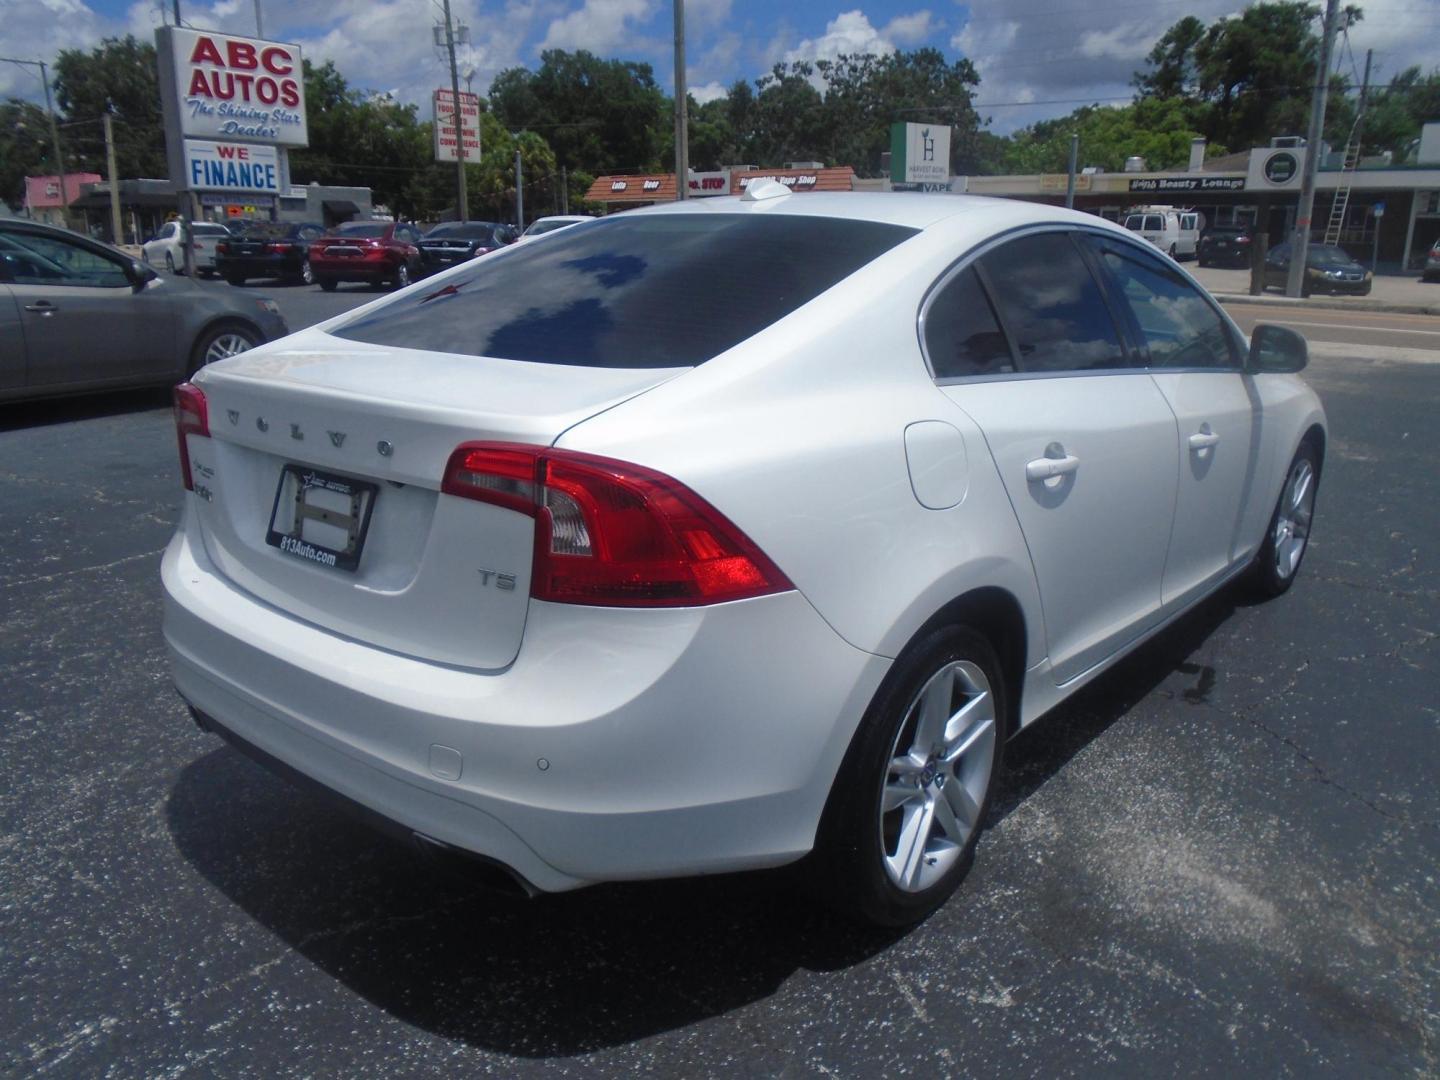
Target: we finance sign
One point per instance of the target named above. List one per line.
(217, 86)
(218, 166)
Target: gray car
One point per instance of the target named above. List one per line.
(78, 316)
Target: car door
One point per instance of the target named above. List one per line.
(12, 336)
(84, 321)
(1082, 437)
(1194, 359)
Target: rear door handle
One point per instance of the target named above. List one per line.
(1203, 439)
(1046, 468)
(44, 307)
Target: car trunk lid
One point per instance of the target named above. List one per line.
(328, 452)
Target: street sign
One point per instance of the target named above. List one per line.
(919, 153)
(217, 86)
(444, 113)
(219, 166)
(1379, 209)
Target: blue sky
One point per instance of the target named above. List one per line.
(1037, 58)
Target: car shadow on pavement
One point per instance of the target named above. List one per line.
(67, 410)
(572, 973)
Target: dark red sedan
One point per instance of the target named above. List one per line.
(372, 251)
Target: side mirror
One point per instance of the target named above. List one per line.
(1276, 350)
(141, 274)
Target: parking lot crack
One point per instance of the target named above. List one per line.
(46, 578)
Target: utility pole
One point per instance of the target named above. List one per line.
(259, 21)
(564, 191)
(519, 188)
(462, 206)
(682, 121)
(1300, 245)
(117, 229)
(1070, 182)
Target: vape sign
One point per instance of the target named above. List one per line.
(216, 86)
(919, 153)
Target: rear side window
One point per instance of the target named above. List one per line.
(633, 291)
(1052, 306)
(1179, 327)
(1154, 223)
(962, 336)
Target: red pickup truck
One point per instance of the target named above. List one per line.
(370, 251)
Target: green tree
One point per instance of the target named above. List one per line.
(120, 76)
(598, 115)
(1156, 129)
(25, 148)
(1244, 78)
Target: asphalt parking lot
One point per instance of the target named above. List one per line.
(1219, 859)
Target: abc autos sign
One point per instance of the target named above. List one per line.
(215, 86)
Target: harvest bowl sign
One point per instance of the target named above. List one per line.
(223, 87)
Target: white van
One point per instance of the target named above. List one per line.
(1175, 232)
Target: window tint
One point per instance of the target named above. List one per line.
(632, 291)
(45, 260)
(360, 228)
(961, 334)
(1154, 223)
(1179, 326)
(1052, 306)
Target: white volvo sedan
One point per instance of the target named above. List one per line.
(726, 533)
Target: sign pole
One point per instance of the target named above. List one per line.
(682, 103)
(1070, 181)
(1300, 246)
(117, 231)
(462, 207)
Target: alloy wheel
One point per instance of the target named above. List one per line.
(938, 775)
(1292, 521)
(224, 345)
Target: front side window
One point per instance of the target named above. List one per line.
(46, 260)
(632, 291)
(962, 336)
(1052, 306)
(1180, 329)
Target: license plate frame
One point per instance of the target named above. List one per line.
(302, 496)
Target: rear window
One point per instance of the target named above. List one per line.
(633, 291)
(361, 228)
(469, 230)
(547, 226)
(202, 229)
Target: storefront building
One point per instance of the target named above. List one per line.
(628, 191)
(1388, 211)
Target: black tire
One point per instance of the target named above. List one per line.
(1172, 253)
(1271, 575)
(327, 283)
(852, 849)
(402, 276)
(306, 275)
(169, 262)
(1202, 262)
(235, 279)
(227, 335)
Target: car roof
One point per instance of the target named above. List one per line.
(970, 215)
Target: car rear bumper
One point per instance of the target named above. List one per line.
(621, 744)
(353, 269)
(258, 265)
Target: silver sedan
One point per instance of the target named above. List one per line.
(78, 316)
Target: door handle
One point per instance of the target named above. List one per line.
(1203, 439)
(44, 307)
(1047, 468)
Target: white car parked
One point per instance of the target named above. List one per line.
(1177, 233)
(165, 249)
(560, 560)
(545, 225)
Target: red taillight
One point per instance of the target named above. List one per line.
(277, 249)
(192, 417)
(222, 248)
(1242, 239)
(614, 534)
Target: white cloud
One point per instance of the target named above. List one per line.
(711, 91)
(1119, 43)
(849, 33)
(38, 31)
(912, 29)
(598, 25)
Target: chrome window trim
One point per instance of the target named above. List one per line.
(965, 261)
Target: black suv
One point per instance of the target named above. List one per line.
(1226, 245)
(273, 249)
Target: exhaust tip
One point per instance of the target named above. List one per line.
(488, 874)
